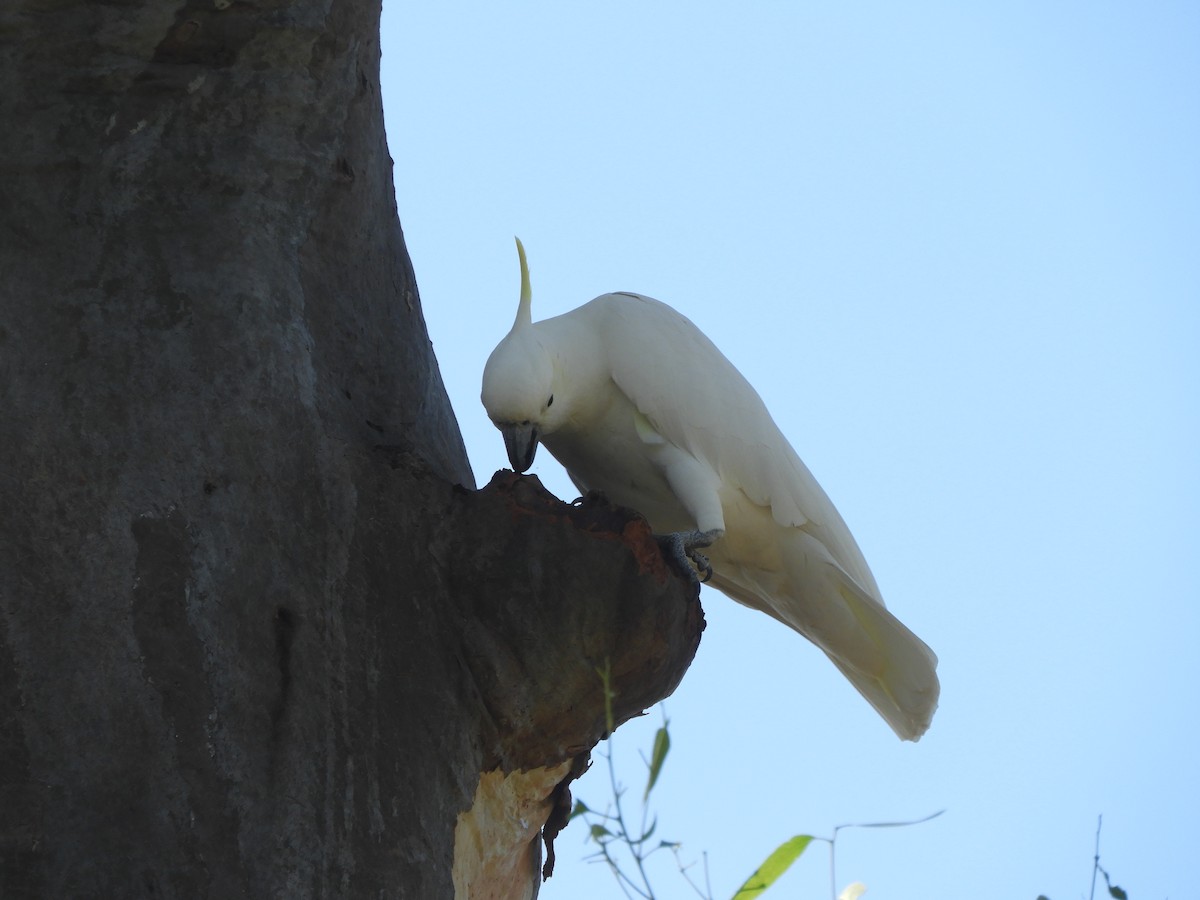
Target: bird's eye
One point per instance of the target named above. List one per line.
(550, 402)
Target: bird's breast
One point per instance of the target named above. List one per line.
(606, 454)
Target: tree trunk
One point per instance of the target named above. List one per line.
(259, 635)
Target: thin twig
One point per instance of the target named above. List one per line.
(833, 841)
(683, 870)
(832, 864)
(633, 850)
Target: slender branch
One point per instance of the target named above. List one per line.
(705, 894)
(832, 864)
(633, 850)
(833, 841)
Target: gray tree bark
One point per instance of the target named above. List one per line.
(259, 634)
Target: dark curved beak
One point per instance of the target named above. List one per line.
(521, 442)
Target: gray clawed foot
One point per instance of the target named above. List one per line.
(700, 561)
(681, 548)
(672, 548)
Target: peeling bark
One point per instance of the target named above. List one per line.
(245, 652)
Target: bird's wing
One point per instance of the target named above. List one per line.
(902, 687)
(698, 400)
(821, 586)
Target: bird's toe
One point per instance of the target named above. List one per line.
(702, 565)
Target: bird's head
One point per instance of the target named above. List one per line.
(518, 394)
(519, 384)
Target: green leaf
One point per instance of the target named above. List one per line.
(606, 683)
(645, 837)
(1117, 892)
(773, 866)
(599, 831)
(662, 743)
(578, 810)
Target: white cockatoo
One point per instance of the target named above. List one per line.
(637, 403)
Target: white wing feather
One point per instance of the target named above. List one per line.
(718, 418)
(786, 550)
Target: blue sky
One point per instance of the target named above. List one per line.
(957, 251)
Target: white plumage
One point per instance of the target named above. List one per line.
(636, 402)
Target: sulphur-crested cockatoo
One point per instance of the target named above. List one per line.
(637, 403)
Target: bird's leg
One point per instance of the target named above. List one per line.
(682, 548)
